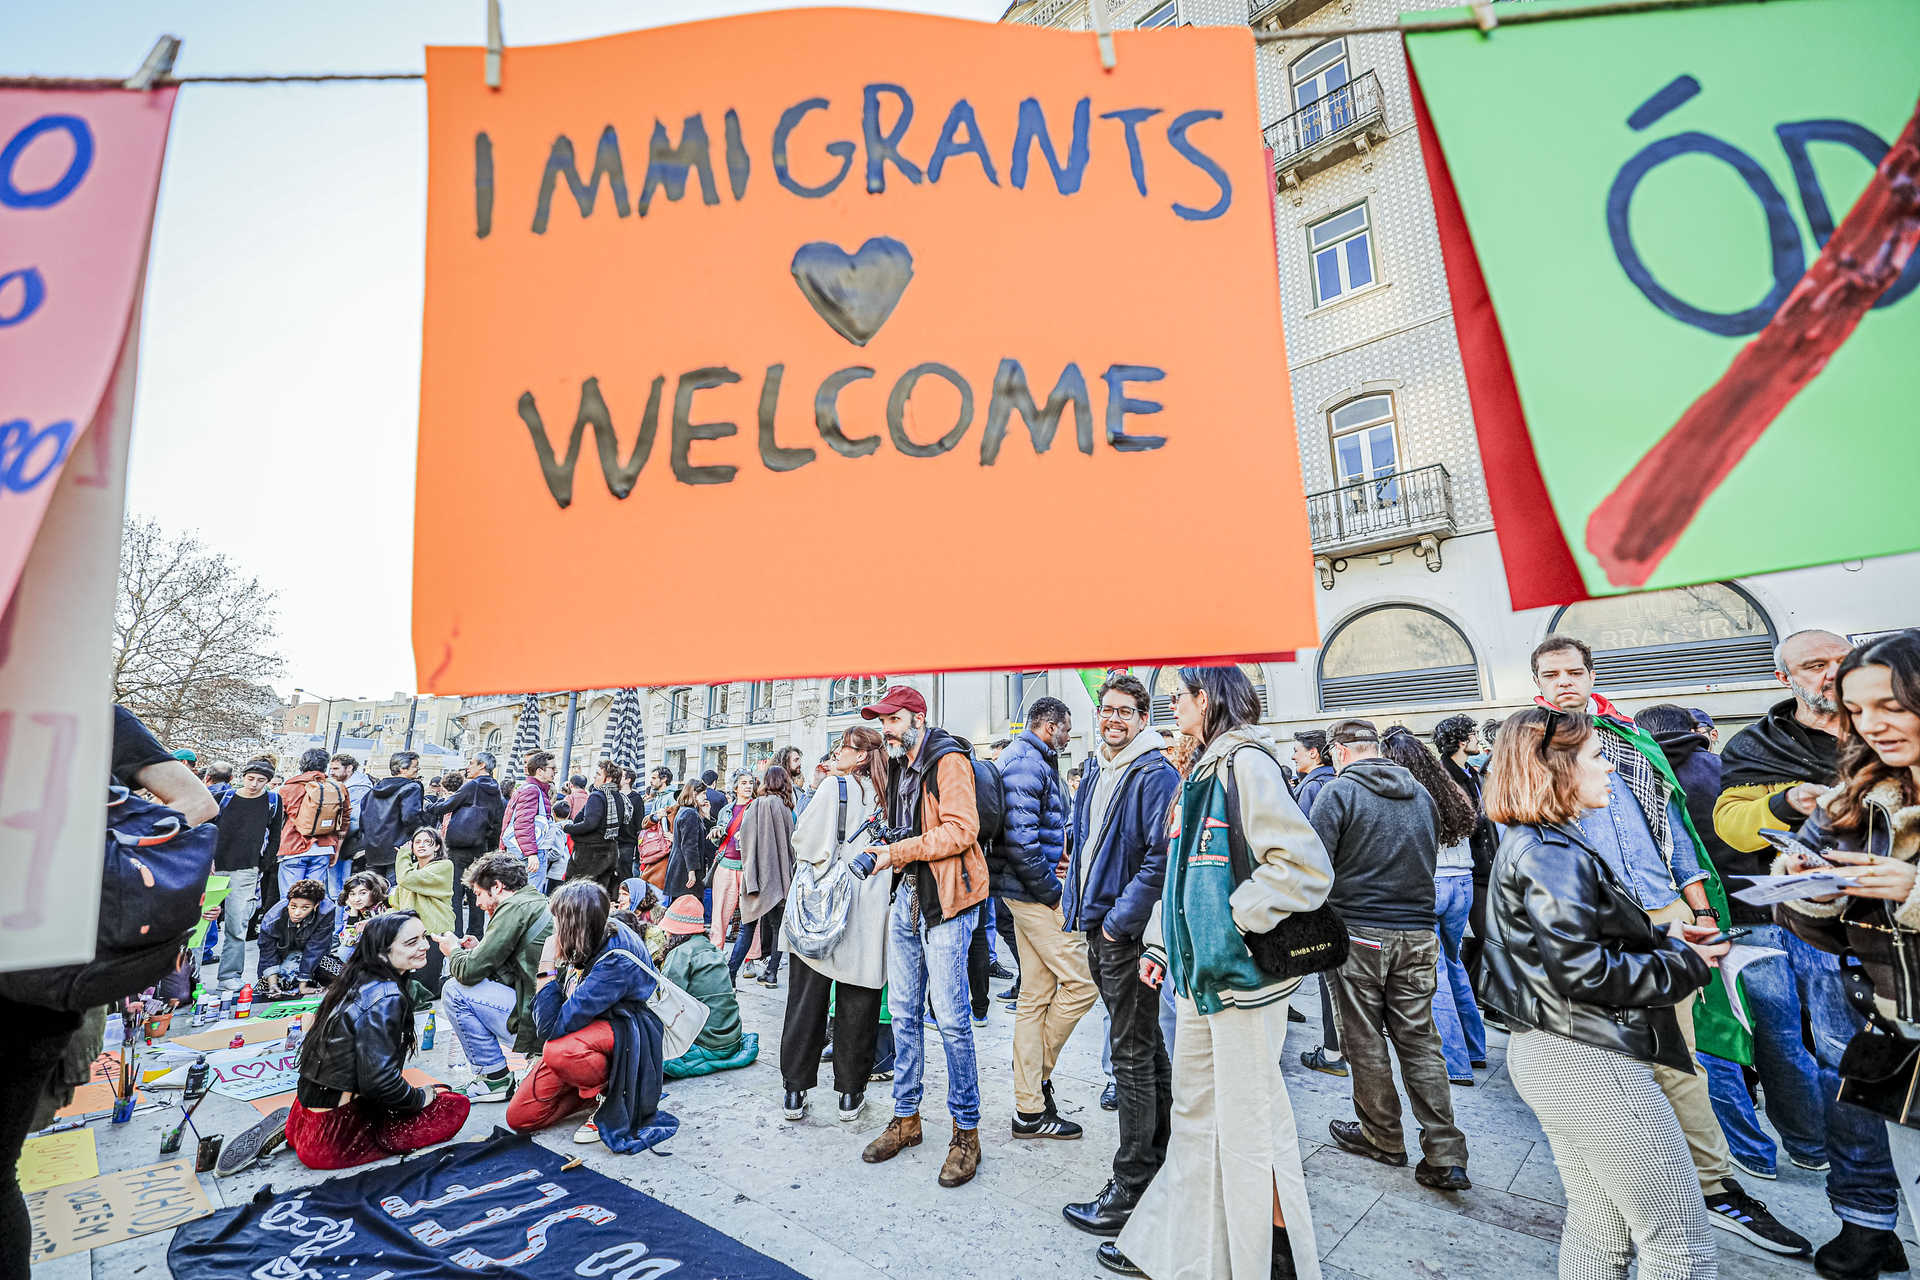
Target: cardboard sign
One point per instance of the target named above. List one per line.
(114, 1206)
(252, 1031)
(57, 1159)
(78, 174)
(921, 296)
(254, 1072)
(1702, 271)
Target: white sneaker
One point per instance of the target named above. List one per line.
(479, 1091)
(588, 1133)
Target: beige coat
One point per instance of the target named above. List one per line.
(860, 956)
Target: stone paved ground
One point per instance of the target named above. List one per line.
(799, 1192)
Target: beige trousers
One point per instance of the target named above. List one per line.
(1688, 1093)
(1056, 990)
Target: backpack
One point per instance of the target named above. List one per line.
(989, 794)
(151, 886)
(323, 809)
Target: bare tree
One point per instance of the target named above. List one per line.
(194, 642)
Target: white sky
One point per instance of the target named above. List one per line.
(280, 355)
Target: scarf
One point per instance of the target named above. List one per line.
(616, 813)
(1778, 749)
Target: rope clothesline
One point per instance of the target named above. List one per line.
(1515, 17)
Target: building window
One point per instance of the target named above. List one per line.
(676, 763)
(714, 756)
(1162, 15)
(850, 693)
(1320, 77)
(759, 753)
(679, 710)
(1710, 634)
(1342, 251)
(760, 702)
(1393, 654)
(494, 741)
(1024, 688)
(720, 702)
(1167, 679)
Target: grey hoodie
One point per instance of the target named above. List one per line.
(1383, 832)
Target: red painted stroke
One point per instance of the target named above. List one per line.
(1636, 525)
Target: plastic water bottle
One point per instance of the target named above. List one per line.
(426, 1037)
(294, 1035)
(243, 1003)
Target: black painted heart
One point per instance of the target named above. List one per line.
(854, 292)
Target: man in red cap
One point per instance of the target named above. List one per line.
(940, 880)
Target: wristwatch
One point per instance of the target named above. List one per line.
(1708, 912)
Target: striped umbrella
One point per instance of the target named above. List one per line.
(626, 738)
(526, 737)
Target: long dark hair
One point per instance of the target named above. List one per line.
(778, 784)
(872, 746)
(1231, 701)
(581, 910)
(1457, 815)
(1861, 769)
(369, 963)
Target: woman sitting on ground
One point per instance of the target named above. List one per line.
(353, 1104)
(423, 884)
(639, 908)
(602, 1041)
(696, 968)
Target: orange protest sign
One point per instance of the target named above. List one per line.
(927, 304)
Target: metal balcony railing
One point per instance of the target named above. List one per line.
(1382, 512)
(762, 714)
(1321, 129)
(720, 719)
(679, 722)
(1280, 13)
(854, 695)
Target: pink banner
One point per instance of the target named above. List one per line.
(79, 172)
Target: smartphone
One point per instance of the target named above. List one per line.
(1725, 935)
(1788, 842)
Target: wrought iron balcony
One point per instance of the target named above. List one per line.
(720, 719)
(1274, 14)
(762, 714)
(1413, 508)
(1330, 129)
(679, 722)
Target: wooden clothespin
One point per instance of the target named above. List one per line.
(1484, 16)
(495, 44)
(159, 63)
(1103, 32)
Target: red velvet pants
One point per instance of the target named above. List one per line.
(352, 1134)
(571, 1073)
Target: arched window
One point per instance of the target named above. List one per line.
(850, 693)
(1167, 679)
(1396, 653)
(495, 741)
(1710, 634)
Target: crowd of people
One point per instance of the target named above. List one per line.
(1563, 878)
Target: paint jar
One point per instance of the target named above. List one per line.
(209, 1153)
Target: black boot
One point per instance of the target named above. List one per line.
(1105, 1214)
(1283, 1256)
(1859, 1253)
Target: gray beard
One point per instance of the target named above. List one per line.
(1813, 700)
(909, 740)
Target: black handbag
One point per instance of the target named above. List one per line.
(1305, 942)
(1880, 1070)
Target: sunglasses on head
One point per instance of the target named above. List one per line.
(1555, 717)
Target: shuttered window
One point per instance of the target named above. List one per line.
(1167, 679)
(1714, 633)
(1396, 654)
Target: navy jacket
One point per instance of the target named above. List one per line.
(1310, 787)
(1034, 833)
(477, 809)
(281, 939)
(614, 989)
(394, 810)
(1116, 883)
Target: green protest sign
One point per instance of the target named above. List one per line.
(1697, 228)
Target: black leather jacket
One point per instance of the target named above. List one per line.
(1570, 951)
(358, 1051)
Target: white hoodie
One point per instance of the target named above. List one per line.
(1106, 784)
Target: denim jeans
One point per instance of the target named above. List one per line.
(1463, 1036)
(929, 966)
(767, 928)
(243, 892)
(336, 877)
(307, 866)
(1789, 1076)
(479, 1012)
(1861, 1185)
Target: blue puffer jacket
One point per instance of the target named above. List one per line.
(1034, 834)
(1116, 882)
(1310, 787)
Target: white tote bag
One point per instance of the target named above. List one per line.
(681, 1015)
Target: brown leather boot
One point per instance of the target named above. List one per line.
(901, 1132)
(963, 1157)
